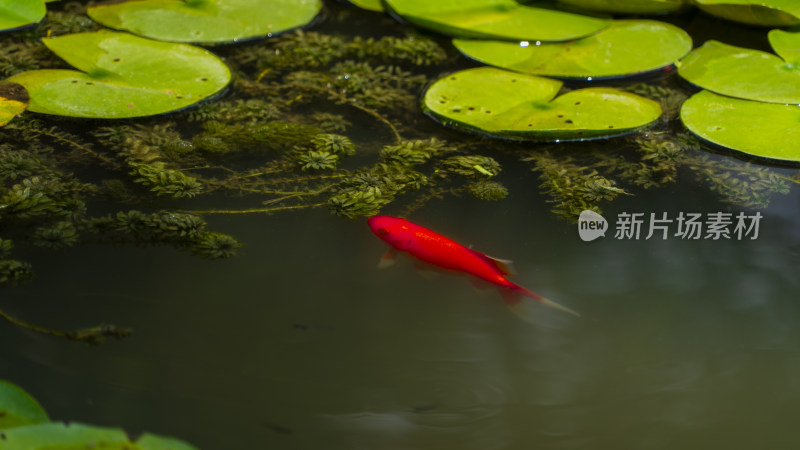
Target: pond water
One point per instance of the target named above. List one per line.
(301, 342)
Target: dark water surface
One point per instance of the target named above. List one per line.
(300, 342)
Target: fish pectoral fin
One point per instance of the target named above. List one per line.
(426, 271)
(388, 259)
(482, 287)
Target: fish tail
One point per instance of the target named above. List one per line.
(515, 300)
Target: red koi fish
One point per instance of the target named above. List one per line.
(443, 253)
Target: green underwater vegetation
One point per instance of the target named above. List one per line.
(313, 119)
(590, 180)
(24, 425)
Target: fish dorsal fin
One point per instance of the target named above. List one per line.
(505, 266)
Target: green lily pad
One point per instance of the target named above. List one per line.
(771, 13)
(205, 21)
(20, 13)
(76, 436)
(762, 129)
(627, 6)
(372, 5)
(13, 100)
(743, 73)
(518, 106)
(786, 45)
(626, 47)
(123, 76)
(496, 19)
(17, 408)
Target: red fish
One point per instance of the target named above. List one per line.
(443, 253)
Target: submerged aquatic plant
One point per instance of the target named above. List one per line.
(572, 187)
(578, 183)
(487, 190)
(43, 204)
(317, 160)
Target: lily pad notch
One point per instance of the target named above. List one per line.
(121, 76)
(495, 19)
(206, 21)
(747, 73)
(624, 48)
(517, 106)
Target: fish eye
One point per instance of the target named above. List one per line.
(383, 231)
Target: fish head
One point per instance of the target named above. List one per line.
(397, 232)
